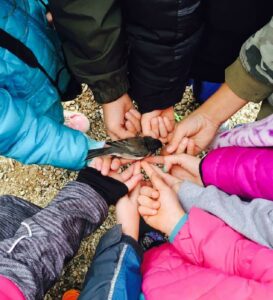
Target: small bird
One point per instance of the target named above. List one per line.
(132, 148)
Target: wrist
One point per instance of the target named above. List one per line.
(221, 105)
(178, 227)
(174, 221)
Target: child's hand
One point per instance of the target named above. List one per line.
(158, 124)
(181, 166)
(105, 164)
(121, 119)
(159, 205)
(127, 207)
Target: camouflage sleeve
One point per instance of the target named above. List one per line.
(251, 75)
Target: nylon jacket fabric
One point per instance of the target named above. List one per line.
(208, 260)
(153, 40)
(31, 114)
(246, 172)
(115, 270)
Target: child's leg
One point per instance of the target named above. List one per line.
(34, 258)
(13, 211)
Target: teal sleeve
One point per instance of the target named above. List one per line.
(39, 140)
(178, 227)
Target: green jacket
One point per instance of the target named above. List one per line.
(156, 39)
(94, 45)
(251, 75)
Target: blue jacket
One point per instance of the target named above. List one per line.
(31, 114)
(115, 270)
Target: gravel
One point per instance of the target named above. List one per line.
(39, 184)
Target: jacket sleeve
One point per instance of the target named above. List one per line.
(236, 255)
(31, 139)
(115, 271)
(94, 45)
(256, 134)
(207, 260)
(252, 219)
(251, 75)
(246, 172)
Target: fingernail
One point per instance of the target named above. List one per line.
(164, 169)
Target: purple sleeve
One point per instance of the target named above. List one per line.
(256, 134)
(246, 172)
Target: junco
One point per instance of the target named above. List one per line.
(132, 148)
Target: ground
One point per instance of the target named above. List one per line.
(39, 184)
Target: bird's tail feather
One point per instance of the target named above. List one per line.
(98, 152)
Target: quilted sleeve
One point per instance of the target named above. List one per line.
(246, 172)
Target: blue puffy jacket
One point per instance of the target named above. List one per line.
(31, 115)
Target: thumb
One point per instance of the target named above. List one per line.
(179, 134)
(157, 182)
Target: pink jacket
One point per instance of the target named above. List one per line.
(9, 291)
(208, 260)
(246, 172)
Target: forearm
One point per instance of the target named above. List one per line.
(252, 219)
(221, 105)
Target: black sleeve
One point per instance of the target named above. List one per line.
(163, 37)
(109, 188)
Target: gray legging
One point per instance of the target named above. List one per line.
(13, 211)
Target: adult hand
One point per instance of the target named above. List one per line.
(167, 210)
(202, 125)
(181, 166)
(193, 134)
(127, 207)
(121, 119)
(158, 124)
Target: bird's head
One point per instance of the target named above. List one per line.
(152, 144)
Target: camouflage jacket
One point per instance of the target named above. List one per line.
(251, 75)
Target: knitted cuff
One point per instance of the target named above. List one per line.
(109, 188)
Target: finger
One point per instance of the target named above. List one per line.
(148, 202)
(168, 124)
(130, 126)
(147, 168)
(190, 147)
(126, 174)
(98, 163)
(133, 181)
(124, 134)
(162, 128)
(155, 127)
(125, 161)
(187, 162)
(155, 159)
(177, 138)
(182, 146)
(149, 192)
(145, 211)
(137, 168)
(157, 182)
(106, 166)
(113, 136)
(115, 165)
(135, 121)
(135, 113)
(169, 179)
